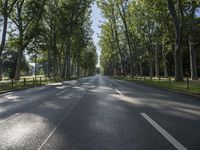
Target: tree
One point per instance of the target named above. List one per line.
(178, 26)
(6, 7)
(143, 34)
(26, 17)
(193, 53)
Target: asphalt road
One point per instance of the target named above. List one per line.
(99, 113)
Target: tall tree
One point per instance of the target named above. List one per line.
(6, 7)
(26, 17)
(193, 53)
(178, 20)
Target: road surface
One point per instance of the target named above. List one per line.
(99, 113)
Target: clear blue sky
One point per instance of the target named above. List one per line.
(96, 19)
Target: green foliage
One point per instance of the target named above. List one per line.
(56, 34)
(138, 35)
(9, 64)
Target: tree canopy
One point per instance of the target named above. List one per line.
(56, 34)
(138, 38)
(150, 37)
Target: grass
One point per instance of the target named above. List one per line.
(26, 82)
(6, 84)
(191, 87)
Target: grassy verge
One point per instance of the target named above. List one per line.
(190, 87)
(24, 83)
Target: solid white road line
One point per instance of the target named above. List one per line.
(62, 92)
(120, 93)
(170, 138)
(67, 113)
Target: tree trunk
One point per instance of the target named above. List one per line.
(116, 37)
(157, 69)
(115, 70)
(3, 39)
(78, 70)
(55, 61)
(193, 62)
(1, 69)
(131, 70)
(135, 55)
(150, 67)
(19, 56)
(18, 65)
(69, 62)
(150, 64)
(164, 61)
(141, 69)
(122, 60)
(64, 65)
(49, 64)
(126, 32)
(66, 59)
(178, 64)
(178, 26)
(132, 66)
(68, 68)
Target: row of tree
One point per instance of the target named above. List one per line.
(151, 37)
(55, 34)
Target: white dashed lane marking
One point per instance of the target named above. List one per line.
(162, 131)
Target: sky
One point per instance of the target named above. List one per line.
(96, 22)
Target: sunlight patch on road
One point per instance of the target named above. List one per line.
(55, 84)
(12, 97)
(101, 126)
(127, 99)
(53, 106)
(159, 95)
(14, 135)
(61, 87)
(192, 112)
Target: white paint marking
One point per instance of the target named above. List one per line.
(62, 92)
(120, 93)
(170, 138)
(67, 113)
